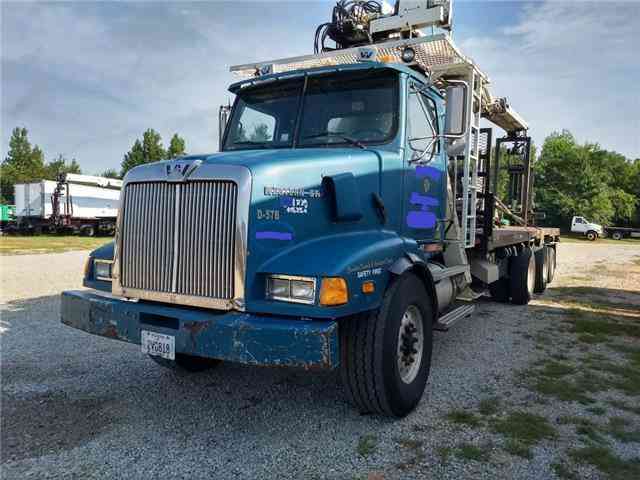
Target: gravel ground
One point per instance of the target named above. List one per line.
(80, 406)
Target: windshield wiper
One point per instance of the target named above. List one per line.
(352, 141)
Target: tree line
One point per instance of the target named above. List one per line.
(26, 162)
(570, 178)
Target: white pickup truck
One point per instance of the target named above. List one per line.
(590, 230)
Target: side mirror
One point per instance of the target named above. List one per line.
(455, 122)
(223, 118)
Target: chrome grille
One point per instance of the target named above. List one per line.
(179, 238)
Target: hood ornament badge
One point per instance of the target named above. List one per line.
(179, 170)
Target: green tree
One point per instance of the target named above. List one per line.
(147, 151)
(176, 146)
(110, 173)
(59, 166)
(23, 163)
(574, 179)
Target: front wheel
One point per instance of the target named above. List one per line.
(386, 354)
(592, 236)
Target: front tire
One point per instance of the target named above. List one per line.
(522, 277)
(499, 290)
(592, 236)
(386, 354)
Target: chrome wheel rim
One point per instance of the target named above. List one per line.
(531, 275)
(410, 344)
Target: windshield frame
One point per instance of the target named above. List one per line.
(395, 85)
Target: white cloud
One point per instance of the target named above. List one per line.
(570, 65)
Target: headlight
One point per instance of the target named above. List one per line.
(288, 288)
(102, 270)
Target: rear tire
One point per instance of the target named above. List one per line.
(386, 354)
(542, 270)
(87, 231)
(592, 236)
(616, 235)
(500, 290)
(522, 277)
(187, 363)
(551, 257)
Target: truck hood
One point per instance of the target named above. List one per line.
(256, 160)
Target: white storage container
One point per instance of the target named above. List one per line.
(34, 199)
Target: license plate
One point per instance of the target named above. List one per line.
(158, 344)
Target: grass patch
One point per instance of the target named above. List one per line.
(620, 405)
(605, 326)
(557, 369)
(18, 245)
(444, 453)
(618, 428)
(592, 339)
(463, 417)
(468, 451)
(517, 448)
(597, 410)
(564, 390)
(584, 427)
(489, 406)
(626, 377)
(367, 445)
(607, 462)
(564, 472)
(524, 427)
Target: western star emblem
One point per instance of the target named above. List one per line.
(179, 170)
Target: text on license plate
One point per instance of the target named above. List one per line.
(158, 344)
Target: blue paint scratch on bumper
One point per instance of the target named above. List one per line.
(231, 336)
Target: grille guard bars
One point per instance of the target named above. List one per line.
(157, 172)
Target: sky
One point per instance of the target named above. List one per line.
(87, 78)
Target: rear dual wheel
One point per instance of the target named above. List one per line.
(542, 270)
(386, 354)
(522, 277)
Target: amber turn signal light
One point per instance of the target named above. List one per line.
(333, 291)
(368, 287)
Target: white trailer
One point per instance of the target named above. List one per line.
(33, 200)
(80, 203)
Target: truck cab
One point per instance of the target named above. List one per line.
(590, 230)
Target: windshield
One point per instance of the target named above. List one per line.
(347, 108)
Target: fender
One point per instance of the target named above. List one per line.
(358, 257)
(410, 262)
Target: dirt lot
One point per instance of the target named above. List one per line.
(546, 391)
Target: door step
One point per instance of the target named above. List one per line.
(448, 320)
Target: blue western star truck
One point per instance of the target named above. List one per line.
(350, 212)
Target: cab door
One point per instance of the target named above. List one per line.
(424, 166)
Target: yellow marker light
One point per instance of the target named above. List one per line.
(333, 291)
(368, 287)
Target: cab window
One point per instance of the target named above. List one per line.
(422, 125)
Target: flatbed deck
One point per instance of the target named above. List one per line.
(505, 236)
